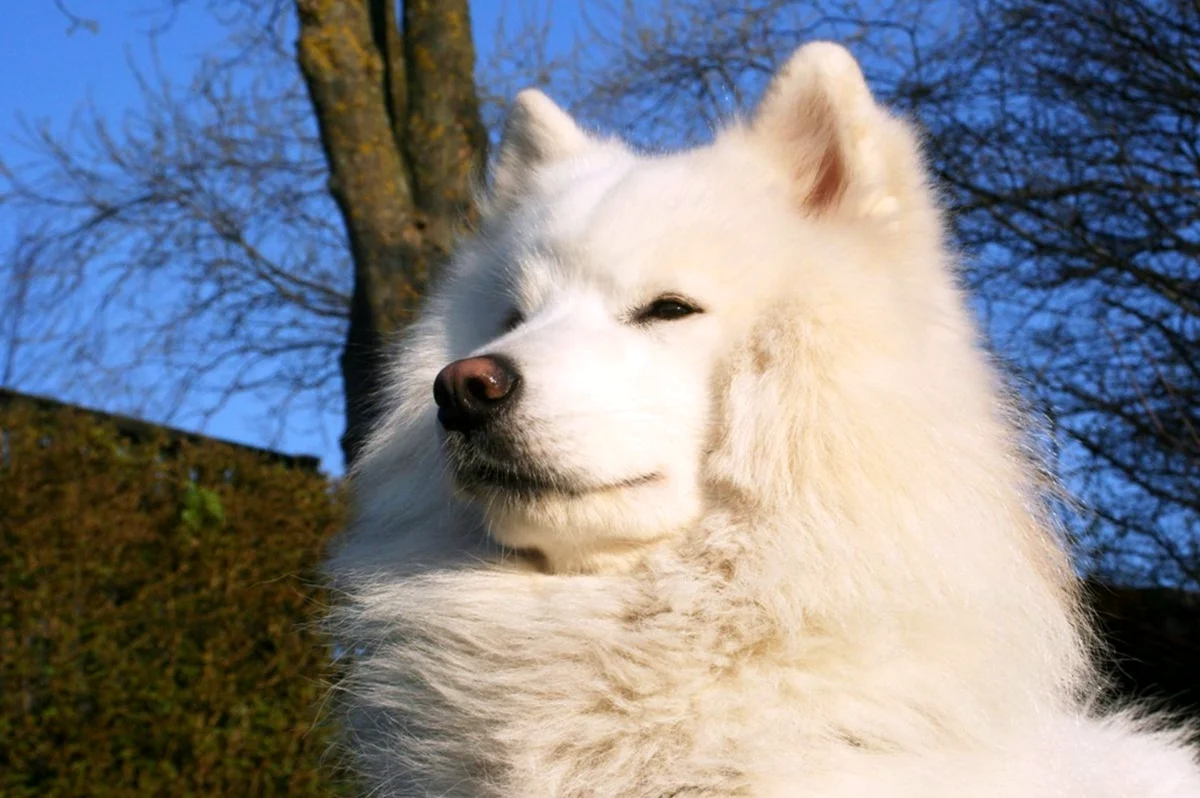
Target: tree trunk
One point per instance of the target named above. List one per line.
(400, 125)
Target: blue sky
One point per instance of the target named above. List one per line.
(50, 71)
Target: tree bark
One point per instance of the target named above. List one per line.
(399, 119)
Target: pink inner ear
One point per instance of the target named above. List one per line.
(830, 180)
(819, 161)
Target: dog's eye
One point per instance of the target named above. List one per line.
(666, 308)
(513, 320)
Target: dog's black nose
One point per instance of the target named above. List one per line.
(469, 392)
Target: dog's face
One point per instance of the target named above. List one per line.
(597, 308)
(592, 318)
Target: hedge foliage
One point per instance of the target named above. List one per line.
(156, 604)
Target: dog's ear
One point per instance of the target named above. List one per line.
(536, 133)
(842, 152)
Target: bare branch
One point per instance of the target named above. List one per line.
(76, 22)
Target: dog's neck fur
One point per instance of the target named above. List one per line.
(922, 599)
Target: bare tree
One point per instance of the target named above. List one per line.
(670, 73)
(402, 131)
(1068, 133)
(197, 236)
(194, 235)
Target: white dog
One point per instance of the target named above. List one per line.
(696, 482)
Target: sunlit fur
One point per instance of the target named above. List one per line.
(840, 581)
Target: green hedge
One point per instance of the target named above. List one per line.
(156, 603)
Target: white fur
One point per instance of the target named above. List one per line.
(841, 581)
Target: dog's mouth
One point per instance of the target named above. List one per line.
(525, 482)
(480, 472)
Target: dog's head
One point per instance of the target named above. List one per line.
(576, 366)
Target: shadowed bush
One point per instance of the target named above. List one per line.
(156, 599)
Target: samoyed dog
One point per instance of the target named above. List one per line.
(694, 481)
